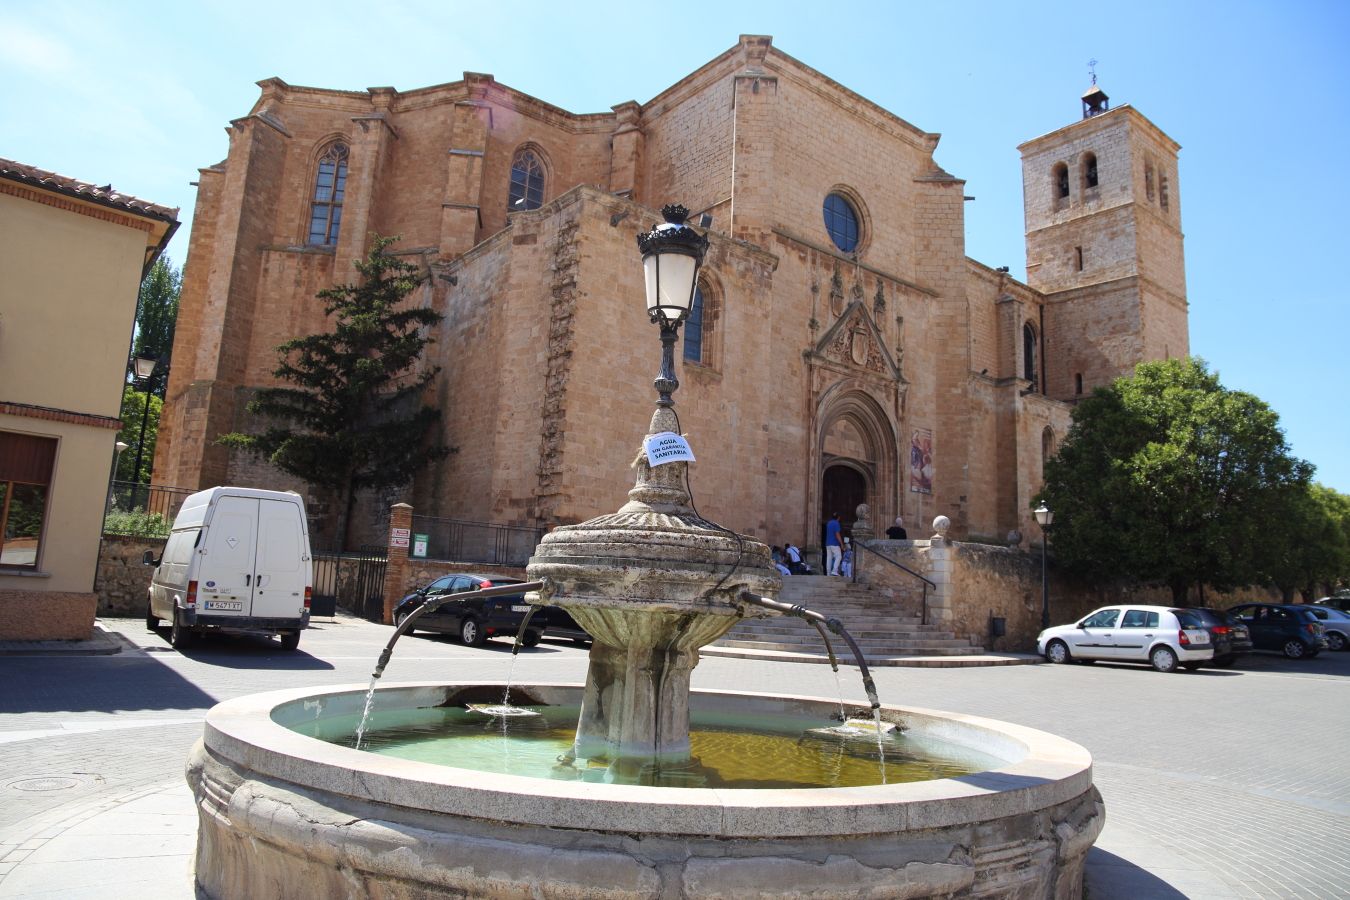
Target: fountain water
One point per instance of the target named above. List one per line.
(285, 814)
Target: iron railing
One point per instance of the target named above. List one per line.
(477, 542)
(899, 565)
(354, 581)
(132, 496)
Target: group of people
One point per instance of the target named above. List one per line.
(838, 550)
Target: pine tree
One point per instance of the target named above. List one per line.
(353, 418)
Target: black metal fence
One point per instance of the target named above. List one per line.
(476, 542)
(354, 581)
(131, 496)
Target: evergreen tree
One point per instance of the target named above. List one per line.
(1169, 477)
(156, 316)
(354, 418)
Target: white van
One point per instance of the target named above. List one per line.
(237, 560)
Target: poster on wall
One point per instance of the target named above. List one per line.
(921, 461)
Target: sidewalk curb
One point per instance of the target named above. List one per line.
(101, 642)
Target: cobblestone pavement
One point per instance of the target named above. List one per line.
(1218, 784)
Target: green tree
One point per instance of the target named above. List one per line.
(133, 412)
(1168, 477)
(1311, 541)
(354, 417)
(156, 317)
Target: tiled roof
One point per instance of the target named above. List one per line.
(105, 195)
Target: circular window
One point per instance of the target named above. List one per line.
(841, 221)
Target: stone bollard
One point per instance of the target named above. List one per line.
(862, 534)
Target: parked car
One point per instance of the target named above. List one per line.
(1288, 628)
(1229, 637)
(1335, 625)
(474, 620)
(558, 622)
(1160, 635)
(1337, 601)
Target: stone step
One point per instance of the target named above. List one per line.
(966, 650)
(857, 633)
(841, 647)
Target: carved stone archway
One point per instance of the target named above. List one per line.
(855, 442)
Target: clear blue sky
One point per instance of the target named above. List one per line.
(138, 94)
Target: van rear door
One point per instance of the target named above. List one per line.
(282, 564)
(225, 577)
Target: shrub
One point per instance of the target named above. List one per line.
(136, 523)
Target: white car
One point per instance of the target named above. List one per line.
(1160, 635)
(1336, 622)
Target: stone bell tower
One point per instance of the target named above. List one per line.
(1104, 244)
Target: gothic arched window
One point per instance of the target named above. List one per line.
(1029, 353)
(527, 182)
(330, 184)
(693, 328)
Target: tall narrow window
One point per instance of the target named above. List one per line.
(1061, 179)
(1029, 353)
(1148, 180)
(325, 213)
(1078, 258)
(26, 463)
(1162, 191)
(1090, 171)
(1047, 447)
(693, 329)
(527, 182)
(1078, 383)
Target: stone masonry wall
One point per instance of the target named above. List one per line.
(123, 582)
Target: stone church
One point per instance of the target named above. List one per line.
(843, 347)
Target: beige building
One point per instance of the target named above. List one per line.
(845, 350)
(72, 255)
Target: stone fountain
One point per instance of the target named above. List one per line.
(285, 814)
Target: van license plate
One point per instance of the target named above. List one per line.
(520, 608)
(225, 604)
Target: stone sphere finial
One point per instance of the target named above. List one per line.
(1014, 538)
(862, 524)
(940, 526)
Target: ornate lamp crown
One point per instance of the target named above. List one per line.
(671, 255)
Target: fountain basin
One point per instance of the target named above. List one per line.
(283, 814)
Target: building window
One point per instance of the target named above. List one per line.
(325, 212)
(1148, 180)
(841, 221)
(1061, 179)
(26, 463)
(1047, 447)
(693, 329)
(1078, 383)
(1078, 258)
(1162, 191)
(527, 182)
(1090, 171)
(1029, 353)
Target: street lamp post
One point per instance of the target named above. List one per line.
(671, 255)
(1045, 518)
(144, 368)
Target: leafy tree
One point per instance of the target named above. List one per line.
(156, 316)
(133, 412)
(354, 418)
(1169, 477)
(1311, 542)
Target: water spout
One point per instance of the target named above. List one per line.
(815, 618)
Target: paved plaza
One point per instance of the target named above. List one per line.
(1217, 784)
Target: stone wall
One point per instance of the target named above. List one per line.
(123, 582)
(46, 615)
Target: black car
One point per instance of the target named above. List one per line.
(559, 623)
(1288, 628)
(474, 620)
(1229, 637)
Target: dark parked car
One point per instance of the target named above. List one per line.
(474, 620)
(559, 623)
(1288, 628)
(1230, 637)
(1336, 601)
(1336, 624)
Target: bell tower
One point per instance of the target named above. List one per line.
(1104, 244)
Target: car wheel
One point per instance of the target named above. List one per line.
(471, 633)
(1335, 640)
(530, 638)
(1163, 659)
(290, 640)
(1295, 649)
(180, 636)
(1190, 666)
(400, 617)
(1057, 652)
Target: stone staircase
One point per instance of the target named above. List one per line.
(884, 626)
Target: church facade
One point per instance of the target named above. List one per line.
(844, 349)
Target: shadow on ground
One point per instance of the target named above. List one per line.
(1109, 877)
